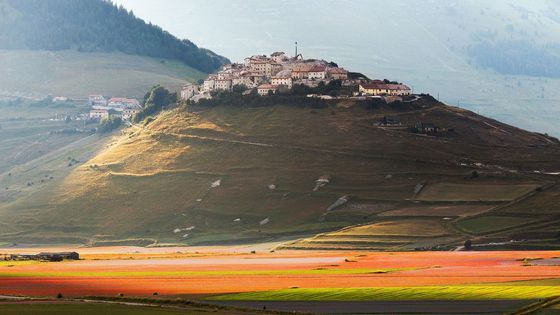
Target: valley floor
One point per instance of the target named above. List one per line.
(254, 277)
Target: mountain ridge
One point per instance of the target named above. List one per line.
(94, 26)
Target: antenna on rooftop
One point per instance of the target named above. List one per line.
(296, 50)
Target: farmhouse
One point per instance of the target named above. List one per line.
(60, 256)
(389, 121)
(426, 127)
(380, 88)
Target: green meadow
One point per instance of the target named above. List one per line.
(478, 292)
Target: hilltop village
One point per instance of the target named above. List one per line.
(264, 75)
(278, 73)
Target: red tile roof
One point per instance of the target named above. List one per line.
(318, 68)
(380, 85)
(267, 86)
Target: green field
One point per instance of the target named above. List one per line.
(73, 74)
(490, 223)
(479, 192)
(92, 309)
(400, 294)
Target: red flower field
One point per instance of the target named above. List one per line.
(175, 271)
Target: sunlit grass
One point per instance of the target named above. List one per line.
(400, 293)
(13, 263)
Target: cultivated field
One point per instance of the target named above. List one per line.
(69, 308)
(232, 275)
(462, 192)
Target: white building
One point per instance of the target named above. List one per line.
(318, 73)
(337, 73)
(121, 102)
(283, 78)
(128, 113)
(241, 81)
(266, 89)
(58, 99)
(223, 84)
(97, 100)
(209, 84)
(98, 114)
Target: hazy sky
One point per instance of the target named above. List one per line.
(200, 21)
(236, 29)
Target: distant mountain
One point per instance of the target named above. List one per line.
(93, 26)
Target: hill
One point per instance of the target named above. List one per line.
(497, 58)
(36, 74)
(94, 26)
(238, 174)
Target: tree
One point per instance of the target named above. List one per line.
(157, 99)
(109, 124)
(239, 88)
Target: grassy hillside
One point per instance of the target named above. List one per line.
(218, 175)
(73, 74)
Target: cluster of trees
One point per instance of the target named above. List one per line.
(518, 58)
(157, 99)
(237, 99)
(333, 88)
(95, 26)
(109, 124)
